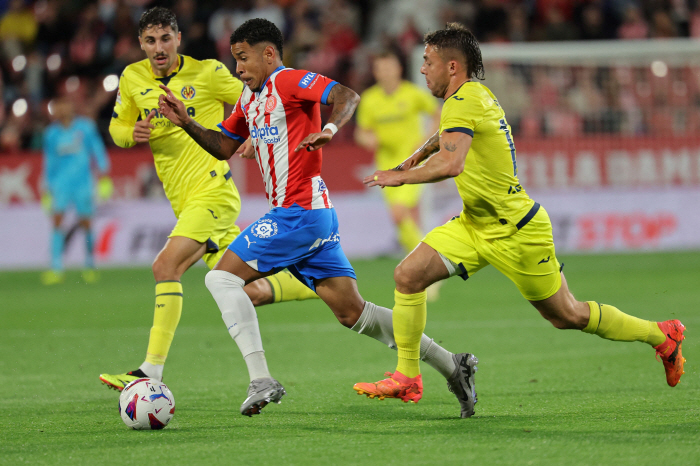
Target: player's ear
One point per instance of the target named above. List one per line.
(269, 54)
(179, 38)
(140, 42)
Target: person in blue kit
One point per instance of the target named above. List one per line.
(71, 144)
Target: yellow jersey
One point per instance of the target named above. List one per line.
(395, 119)
(186, 170)
(494, 201)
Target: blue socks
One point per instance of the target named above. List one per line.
(89, 250)
(57, 239)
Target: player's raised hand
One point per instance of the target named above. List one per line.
(172, 108)
(246, 150)
(315, 141)
(384, 178)
(142, 129)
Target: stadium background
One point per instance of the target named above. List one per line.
(603, 98)
(606, 134)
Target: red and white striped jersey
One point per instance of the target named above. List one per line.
(277, 119)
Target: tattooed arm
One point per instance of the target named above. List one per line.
(431, 146)
(217, 144)
(448, 162)
(344, 101)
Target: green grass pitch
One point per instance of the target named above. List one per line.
(545, 396)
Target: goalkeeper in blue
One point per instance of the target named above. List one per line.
(71, 145)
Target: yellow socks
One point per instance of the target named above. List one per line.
(408, 319)
(285, 287)
(612, 324)
(165, 320)
(409, 234)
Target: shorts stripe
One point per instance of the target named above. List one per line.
(528, 216)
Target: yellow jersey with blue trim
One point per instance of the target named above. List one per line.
(186, 169)
(494, 201)
(395, 119)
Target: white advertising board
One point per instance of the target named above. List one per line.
(132, 232)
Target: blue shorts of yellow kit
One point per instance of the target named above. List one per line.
(78, 196)
(527, 257)
(210, 220)
(306, 242)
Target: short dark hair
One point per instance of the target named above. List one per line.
(258, 30)
(394, 51)
(457, 37)
(157, 16)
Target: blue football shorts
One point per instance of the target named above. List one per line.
(306, 242)
(78, 196)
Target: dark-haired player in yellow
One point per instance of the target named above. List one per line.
(499, 224)
(199, 187)
(389, 124)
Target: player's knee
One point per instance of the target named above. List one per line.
(406, 281)
(216, 280)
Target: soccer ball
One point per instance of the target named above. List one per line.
(146, 404)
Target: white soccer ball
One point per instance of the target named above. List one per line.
(146, 404)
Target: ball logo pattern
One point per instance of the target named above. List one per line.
(264, 228)
(146, 404)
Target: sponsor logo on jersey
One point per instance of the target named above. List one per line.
(321, 186)
(187, 92)
(306, 80)
(267, 134)
(270, 104)
(264, 228)
(146, 91)
(219, 67)
(119, 97)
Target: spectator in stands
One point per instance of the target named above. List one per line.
(633, 26)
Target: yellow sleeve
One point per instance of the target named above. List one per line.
(224, 85)
(461, 113)
(364, 115)
(124, 116)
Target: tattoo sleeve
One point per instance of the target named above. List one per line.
(214, 142)
(344, 101)
(431, 146)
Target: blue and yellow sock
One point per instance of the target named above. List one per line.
(89, 250)
(408, 319)
(57, 240)
(612, 324)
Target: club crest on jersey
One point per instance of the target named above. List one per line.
(267, 134)
(306, 80)
(270, 104)
(264, 228)
(188, 92)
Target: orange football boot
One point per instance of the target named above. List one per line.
(670, 350)
(396, 385)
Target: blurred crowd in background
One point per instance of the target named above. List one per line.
(58, 47)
